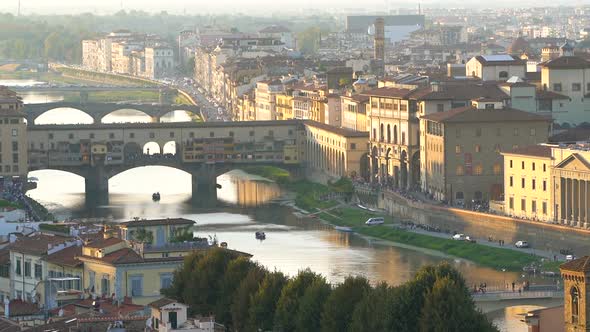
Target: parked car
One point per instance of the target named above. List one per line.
(469, 239)
(521, 244)
(375, 221)
(569, 258)
(459, 237)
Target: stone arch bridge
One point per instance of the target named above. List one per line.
(99, 110)
(97, 152)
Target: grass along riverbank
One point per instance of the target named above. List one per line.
(308, 197)
(497, 258)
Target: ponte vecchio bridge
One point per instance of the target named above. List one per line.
(99, 110)
(99, 151)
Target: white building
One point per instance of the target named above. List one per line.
(495, 67)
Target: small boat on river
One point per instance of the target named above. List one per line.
(156, 197)
(260, 235)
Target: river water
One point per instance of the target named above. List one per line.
(292, 244)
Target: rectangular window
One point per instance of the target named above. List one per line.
(511, 203)
(137, 286)
(544, 167)
(522, 165)
(458, 149)
(14, 146)
(38, 271)
(534, 184)
(440, 107)
(576, 86)
(478, 132)
(544, 185)
(14, 132)
(105, 286)
(534, 206)
(534, 166)
(27, 269)
(165, 280)
(533, 132)
(557, 87)
(544, 207)
(510, 163)
(523, 204)
(17, 269)
(522, 183)
(511, 181)
(353, 146)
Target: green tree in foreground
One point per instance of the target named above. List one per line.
(246, 297)
(263, 302)
(339, 307)
(289, 301)
(309, 312)
(447, 309)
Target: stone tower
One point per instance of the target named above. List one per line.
(379, 40)
(576, 280)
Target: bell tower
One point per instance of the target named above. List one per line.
(576, 280)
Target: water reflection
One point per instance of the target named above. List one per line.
(127, 116)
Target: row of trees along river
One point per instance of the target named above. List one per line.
(247, 297)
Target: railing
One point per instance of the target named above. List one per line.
(501, 296)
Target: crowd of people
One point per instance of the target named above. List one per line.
(14, 192)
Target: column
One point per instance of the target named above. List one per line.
(204, 186)
(562, 200)
(96, 184)
(583, 204)
(575, 202)
(567, 201)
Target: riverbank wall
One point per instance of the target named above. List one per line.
(482, 225)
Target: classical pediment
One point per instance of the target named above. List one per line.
(574, 162)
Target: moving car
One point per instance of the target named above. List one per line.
(459, 237)
(569, 258)
(521, 244)
(375, 221)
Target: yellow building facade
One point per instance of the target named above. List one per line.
(527, 183)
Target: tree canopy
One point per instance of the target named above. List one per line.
(246, 297)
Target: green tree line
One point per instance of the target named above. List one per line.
(244, 296)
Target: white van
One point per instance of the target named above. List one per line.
(375, 221)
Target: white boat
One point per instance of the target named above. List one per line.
(343, 229)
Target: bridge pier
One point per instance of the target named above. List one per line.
(155, 119)
(204, 186)
(97, 186)
(83, 97)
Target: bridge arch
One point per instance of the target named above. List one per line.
(71, 114)
(151, 148)
(170, 147)
(133, 114)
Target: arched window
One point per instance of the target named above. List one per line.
(374, 134)
(394, 134)
(382, 133)
(478, 169)
(403, 138)
(497, 168)
(459, 171)
(575, 299)
(503, 74)
(388, 134)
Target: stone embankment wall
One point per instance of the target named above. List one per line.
(482, 225)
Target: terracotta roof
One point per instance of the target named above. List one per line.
(161, 303)
(66, 256)
(467, 91)
(388, 92)
(37, 244)
(337, 130)
(567, 62)
(471, 114)
(127, 256)
(152, 222)
(103, 243)
(7, 325)
(545, 94)
(533, 150)
(22, 308)
(4, 257)
(519, 45)
(577, 265)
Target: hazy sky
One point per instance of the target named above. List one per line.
(246, 6)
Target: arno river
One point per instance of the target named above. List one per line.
(292, 244)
